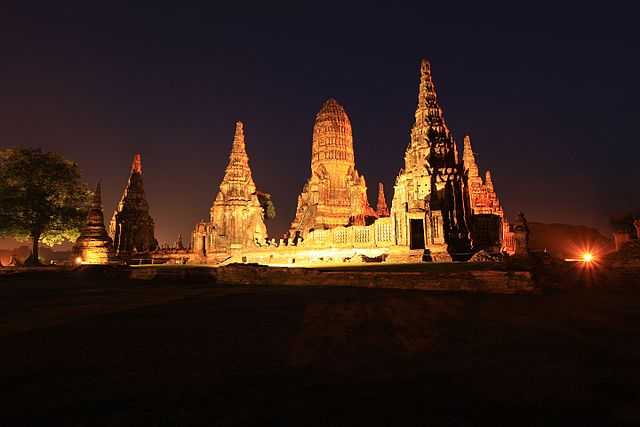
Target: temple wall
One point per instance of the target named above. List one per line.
(379, 234)
(337, 245)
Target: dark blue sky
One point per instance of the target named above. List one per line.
(548, 95)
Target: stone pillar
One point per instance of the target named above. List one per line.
(521, 242)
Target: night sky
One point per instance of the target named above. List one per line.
(549, 96)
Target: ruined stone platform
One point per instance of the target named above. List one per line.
(451, 277)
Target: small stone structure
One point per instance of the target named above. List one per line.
(131, 226)
(94, 246)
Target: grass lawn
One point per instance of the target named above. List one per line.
(92, 351)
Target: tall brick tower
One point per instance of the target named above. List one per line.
(335, 194)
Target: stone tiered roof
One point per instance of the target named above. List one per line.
(238, 181)
(332, 136)
(482, 195)
(432, 144)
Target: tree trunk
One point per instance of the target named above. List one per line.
(35, 258)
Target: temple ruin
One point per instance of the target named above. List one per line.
(429, 207)
(236, 220)
(335, 194)
(94, 246)
(489, 228)
(131, 226)
(442, 208)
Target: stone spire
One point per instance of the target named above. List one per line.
(95, 212)
(136, 166)
(94, 246)
(236, 216)
(482, 196)
(429, 114)
(238, 182)
(432, 144)
(335, 194)
(488, 181)
(332, 145)
(131, 226)
(381, 209)
(468, 158)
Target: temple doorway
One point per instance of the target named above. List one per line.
(416, 234)
(486, 231)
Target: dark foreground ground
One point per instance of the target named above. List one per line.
(94, 352)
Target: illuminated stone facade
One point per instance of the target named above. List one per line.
(429, 206)
(131, 226)
(441, 206)
(94, 246)
(335, 194)
(236, 220)
(489, 227)
(482, 196)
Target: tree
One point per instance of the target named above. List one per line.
(267, 204)
(41, 197)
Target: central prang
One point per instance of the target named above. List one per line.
(335, 194)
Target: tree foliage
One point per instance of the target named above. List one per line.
(267, 204)
(42, 197)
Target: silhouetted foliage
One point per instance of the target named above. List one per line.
(267, 204)
(624, 222)
(41, 197)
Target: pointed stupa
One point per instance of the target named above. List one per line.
(381, 209)
(488, 181)
(429, 113)
(482, 197)
(136, 166)
(131, 226)
(236, 215)
(432, 143)
(468, 158)
(94, 246)
(238, 182)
